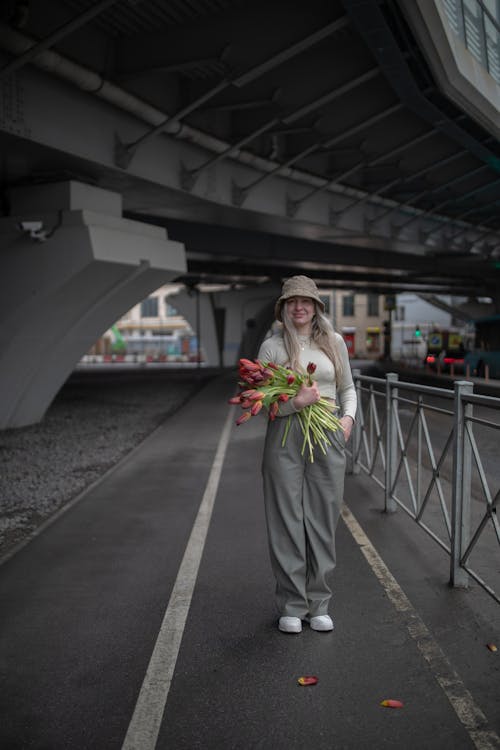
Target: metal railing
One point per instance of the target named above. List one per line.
(438, 461)
(477, 23)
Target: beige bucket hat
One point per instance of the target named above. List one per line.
(298, 286)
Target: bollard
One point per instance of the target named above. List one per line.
(461, 489)
(391, 440)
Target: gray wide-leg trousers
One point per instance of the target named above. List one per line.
(302, 503)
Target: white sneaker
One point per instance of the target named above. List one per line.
(290, 624)
(321, 622)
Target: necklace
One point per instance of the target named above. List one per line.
(304, 341)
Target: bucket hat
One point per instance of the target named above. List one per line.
(298, 286)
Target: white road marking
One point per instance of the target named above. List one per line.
(469, 714)
(144, 727)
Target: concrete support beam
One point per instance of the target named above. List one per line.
(90, 127)
(230, 324)
(64, 283)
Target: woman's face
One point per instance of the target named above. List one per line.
(301, 312)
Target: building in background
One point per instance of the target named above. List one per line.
(152, 331)
(414, 321)
(359, 318)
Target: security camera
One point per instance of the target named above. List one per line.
(30, 226)
(34, 229)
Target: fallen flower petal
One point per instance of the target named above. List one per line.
(491, 647)
(390, 703)
(307, 680)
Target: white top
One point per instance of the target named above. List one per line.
(343, 391)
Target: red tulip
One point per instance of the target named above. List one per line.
(234, 400)
(311, 367)
(290, 379)
(249, 365)
(283, 397)
(273, 411)
(244, 418)
(257, 396)
(247, 380)
(256, 408)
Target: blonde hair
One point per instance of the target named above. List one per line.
(322, 334)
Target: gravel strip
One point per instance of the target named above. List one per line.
(95, 420)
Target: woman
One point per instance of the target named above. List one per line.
(303, 499)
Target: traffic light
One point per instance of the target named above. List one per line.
(418, 332)
(390, 302)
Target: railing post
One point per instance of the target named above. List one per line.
(461, 488)
(353, 466)
(391, 439)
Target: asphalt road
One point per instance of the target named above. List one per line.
(111, 592)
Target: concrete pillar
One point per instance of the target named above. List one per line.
(247, 315)
(70, 267)
(250, 314)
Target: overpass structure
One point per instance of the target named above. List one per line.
(236, 143)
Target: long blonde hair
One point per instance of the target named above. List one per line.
(322, 334)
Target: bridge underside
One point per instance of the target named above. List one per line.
(317, 135)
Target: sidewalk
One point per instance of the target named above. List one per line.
(83, 603)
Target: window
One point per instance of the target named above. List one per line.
(400, 313)
(325, 298)
(372, 304)
(149, 307)
(348, 305)
(170, 309)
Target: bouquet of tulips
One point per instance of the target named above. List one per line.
(268, 384)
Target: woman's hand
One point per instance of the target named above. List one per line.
(307, 395)
(347, 423)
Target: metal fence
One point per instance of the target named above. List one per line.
(436, 454)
